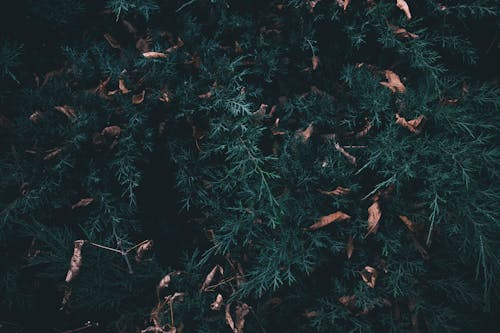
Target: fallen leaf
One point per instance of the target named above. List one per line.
(82, 203)
(122, 87)
(241, 312)
(138, 98)
(261, 111)
(315, 62)
(343, 3)
(111, 131)
(409, 223)
(216, 305)
(52, 153)
(111, 41)
(369, 275)
(338, 191)
(66, 110)
(306, 134)
(351, 158)
(165, 281)
(229, 319)
(76, 260)
(348, 301)
(144, 44)
(374, 215)
(411, 125)
(66, 297)
(154, 55)
(401, 32)
(326, 220)
(209, 278)
(178, 45)
(365, 130)
(176, 296)
(312, 4)
(141, 250)
(310, 314)
(394, 83)
(36, 116)
(404, 7)
(350, 247)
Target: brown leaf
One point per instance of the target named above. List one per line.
(348, 301)
(326, 220)
(122, 87)
(229, 319)
(306, 134)
(66, 110)
(139, 98)
(165, 281)
(216, 305)
(310, 314)
(409, 223)
(261, 111)
(154, 55)
(365, 130)
(343, 3)
(66, 297)
(338, 191)
(315, 62)
(241, 312)
(411, 125)
(52, 153)
(404, 7)
(178, 45)
(100, 89)
(312, 4)
(111, 131)
(374, 215)
(369, 275)
(350, 247)
(401, 32)
(175, 297)
(82, 203)
(36, 116)
(111, 41)
(141, 250)
(209, 278)
(351, 158)
(394, 82)
(143, 44)
(76, 261)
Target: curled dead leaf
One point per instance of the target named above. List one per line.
(216, 305)
(369, 275)
(401, 4)
(315, 62)
(401, 32)
(143, 249)
(338, 191)
(165, 281)
(154, 55)
(348, 301)
(36, 116)
(365, 130)
(122, 87)
(261, 111)
(65, 299)
(310, 314)
(111, 41)
(241, 312)
(210, 276)
(343, 3)
(393, 82)
(53, 153)
(411, 125)
(144, 44)
(312, 4)
(82, 203)
(306, 134)
(229, 319)
(76, 260)
(326, 220)
(409, 223)
(175, 297)
(374, 215)
(111, 131)
(66, 110)
(350, 247)
(349, 157)
(139, 98)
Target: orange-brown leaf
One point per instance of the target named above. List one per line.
(53, 153)
(409, 223)
(122, 87)
(241, 312)
(328, 219)
(343, 3)
(82, 203)
(154, 55)
(210, 276)
(338, 191)
(411, 125)
(229, 319)
(350, 247)
(349, 157)
(66, 110)
(374, 215)
(142, 249)
(306, 134)
(216, 305)
(401, 32)
(401, 4)
(111, 131)
(369, 275)
(393, 82)
(111, 41)
(139, 98)
(76, 260)
(315, 62)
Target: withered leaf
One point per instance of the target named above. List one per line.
(348, 301)
(404, 7)
(122, 87)
(343, 3)
(36, 116)
(142, 249)
(210, 276)
(310, 314)
(338, 191)
(66, 297)
(139, 98)
(82, 203)
(261, 111)
(143, 44)
(229, 319)
(175, 297)
(411, 125)
(241, 312)
(350, 247)
(409, 223)
(374, 215)
(111, 41)
(76, 260)
(66, 110)
(306, 134)
(349, 157)
(165, 281)
(401, 32)
(393, 82)
(52, 153)
(365, 130)
(369, 275)
(111, 131)
(154, 55)
(326, 220)
(315, 62)
(216, 305)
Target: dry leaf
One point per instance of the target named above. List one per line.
(209, 278)
(229, 319)
(401, 32)
(394, 83)
(326, 220)
(350, 247)
(262, 110)
(315, 62)
(76, 261)
(66, 297)
(141, 250)
(338, 191)
(306, 134)
(343, 3)
(404, 7)
(111, 131)
(138, 98)
(66, 110)
(365, 130)
(111, 41)
(100, 89)
(237, 47)
(180, 43)
(52, 153)
(165, 281)
(374, 215)
(216, 305)
(36, 116)
(83, 203)
(241, 312)
(409, 224)
(348, 301)
(310, 314)
(312, 4)
(176, 296)
(369, 275)
(154, 55)
(122, 87)
(411, 125)
(351, 158)
(165, 97)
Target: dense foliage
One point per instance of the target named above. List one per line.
(333, 164)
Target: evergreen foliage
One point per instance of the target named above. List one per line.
(216, 129)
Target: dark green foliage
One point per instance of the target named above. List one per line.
(208, 162)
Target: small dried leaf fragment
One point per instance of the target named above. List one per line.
(53, 153)
(36, 116)
(349, 157)
(111, 131)
(409, 223)
(365, 130)
(328, 219)
(338, 191)
(315, 62)
(122, 87)
(111, 41)
(306, 134)
(143, 44)
(369, 275)
(310, 314)
(348, 301)
(210, 276)
(139, 98)
(165, 281)
(312, 5)
(229, 319)
(393, 82)
(374, 215)
(82, 203)
(66, 110)
(404, 7)
(343, 3)
(350, 247)
(154, 55)
(402, 32)
(411, 125)
(76, 260)
(216, 305)
(143, 249)
(241, 312)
